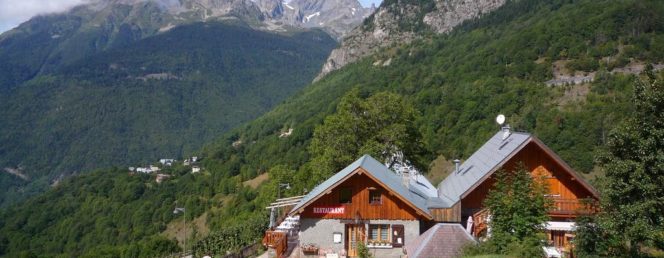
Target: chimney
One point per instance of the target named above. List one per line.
(506, 131)
(405, 177)
(456, 165)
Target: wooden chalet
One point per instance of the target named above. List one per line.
(367, 202)
(467, 186)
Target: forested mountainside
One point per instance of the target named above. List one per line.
(47, 42)
(517, 60)
(161, 97)
(400, 22)
(508, 62)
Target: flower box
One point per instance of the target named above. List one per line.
(310, 249)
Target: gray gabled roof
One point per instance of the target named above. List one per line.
(491, 156)
(440, 241)
(417, 193)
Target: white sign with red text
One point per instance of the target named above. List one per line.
(329, 210)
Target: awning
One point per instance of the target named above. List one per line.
(560, 226)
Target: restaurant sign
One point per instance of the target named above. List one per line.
(330, 210)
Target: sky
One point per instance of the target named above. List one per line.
(14, 12)
(365, 3)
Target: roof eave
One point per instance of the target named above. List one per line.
(567, 167)
(315, 198)
(356, 171)
(551, 153)
(495, 168)
(402, 198)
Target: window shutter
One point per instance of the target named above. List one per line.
(398, 239)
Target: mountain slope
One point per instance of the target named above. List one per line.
(44, 43)
(458, 82)
(163, 96)
(461, 81)
(400, 22)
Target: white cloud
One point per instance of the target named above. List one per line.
(14, 12)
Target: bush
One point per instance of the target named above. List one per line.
(362, 250)
(585, 64)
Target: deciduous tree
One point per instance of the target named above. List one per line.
(518, 208)
(382, 125)
(633, 196)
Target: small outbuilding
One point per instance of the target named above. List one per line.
(443, 240)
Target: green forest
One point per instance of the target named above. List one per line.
(456, 83)
(162, 97)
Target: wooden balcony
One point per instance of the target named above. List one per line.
(567, 208)
(480, 221)
(573, 207)
(277, 240)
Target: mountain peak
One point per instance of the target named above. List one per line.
(400, 22)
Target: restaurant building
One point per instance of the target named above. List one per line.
(367, 202)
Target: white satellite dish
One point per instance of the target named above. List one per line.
(500, 119)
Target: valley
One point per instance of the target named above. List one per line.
(158, 96)
(512, 58)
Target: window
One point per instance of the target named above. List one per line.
(375, 197)
(379, 234)
(345, 195)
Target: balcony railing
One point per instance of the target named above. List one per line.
(560, 207)
(480, 221)
(277, 240)
(574, 207)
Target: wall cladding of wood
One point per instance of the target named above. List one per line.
(391, 208)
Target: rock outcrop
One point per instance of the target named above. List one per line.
(402, 21)
(337, 17)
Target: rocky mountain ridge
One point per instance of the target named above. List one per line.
(402, 21)
(61, 39)
(336, 17)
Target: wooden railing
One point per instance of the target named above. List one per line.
(560, 207)
(480, 221)
(573, 207)
(277, 240)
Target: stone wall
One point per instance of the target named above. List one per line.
(320, 233)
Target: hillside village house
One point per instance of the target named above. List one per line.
(397, 213)
(167, 162)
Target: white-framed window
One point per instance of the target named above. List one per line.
(379, 235)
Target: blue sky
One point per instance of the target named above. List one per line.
(368, 3)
